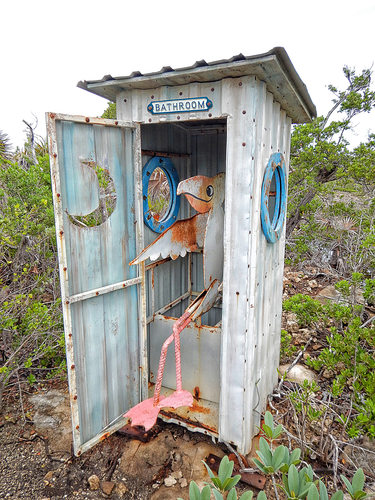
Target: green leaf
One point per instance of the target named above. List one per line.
(260, 466)
(225, 469)
(265, 449)
(248, 495)
(261, 496)
(217, 483)
(268, 419)
(323, 491)
(230, 482)
(339, 495)
(232, 495)
(267, 430)
(358, 481)
(347, 484)
(217, 495)
(206, 493)
(210, 473)
(295, 456)
(278, 457)
(293, 479)
(313, 493)
(277, 431)
(360, 494)
(194, 493)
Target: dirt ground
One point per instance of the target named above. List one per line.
(36, 460)
(37, 463)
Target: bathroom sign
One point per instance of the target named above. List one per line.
(180, 105)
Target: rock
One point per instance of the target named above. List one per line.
(177, 474)
(94, 482)
(169, 481)
(329, 293)
(183, 482)
(292, 326)
(107, 487)
(120, 489)
(52, 419)
(298, 373)
(327, 374)
(49, 475)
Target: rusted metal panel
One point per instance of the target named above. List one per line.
(200, 357)
(99, 290)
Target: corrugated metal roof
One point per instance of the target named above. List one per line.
(273, 67)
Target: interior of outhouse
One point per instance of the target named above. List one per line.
(195, 148)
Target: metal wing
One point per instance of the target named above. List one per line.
(183, 236)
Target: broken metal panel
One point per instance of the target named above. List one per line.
(102, 331)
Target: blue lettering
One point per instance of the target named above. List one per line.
(163, 108)
(194, 104)
(175, 106)
(201, 105)
(187, 104)
(181, 105)
(157, 107)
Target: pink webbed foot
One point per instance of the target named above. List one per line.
(177, 399)
(144, 413)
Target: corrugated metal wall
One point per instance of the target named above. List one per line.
(253, 268)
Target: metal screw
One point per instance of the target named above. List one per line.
(244, 144)
(244, 112)
(87, 119)
(240, 84)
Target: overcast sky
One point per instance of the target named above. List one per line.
(48, 46)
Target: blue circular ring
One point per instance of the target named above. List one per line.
(275, 167)
(174, 205)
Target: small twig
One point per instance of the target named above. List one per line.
(275, 487)
(21, 399)
(335, 460)
(367, 322)
(232, 450)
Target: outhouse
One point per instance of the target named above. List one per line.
(115, 192)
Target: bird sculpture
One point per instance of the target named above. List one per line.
(203, 230)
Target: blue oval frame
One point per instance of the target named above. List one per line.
(173, 179)
(272, 229)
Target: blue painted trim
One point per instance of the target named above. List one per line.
(150, 106)
(272, 229)
(173, 179)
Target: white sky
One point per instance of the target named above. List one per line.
(48, 46)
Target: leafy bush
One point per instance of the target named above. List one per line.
(31, 327)
(349, 347)
(296, 484)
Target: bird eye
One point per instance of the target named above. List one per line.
(210, 190)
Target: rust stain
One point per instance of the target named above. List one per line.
(196, 408)
(186, 233)
(189, 422)
(196, 392)
(105, 435)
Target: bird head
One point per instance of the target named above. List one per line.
(203, 193)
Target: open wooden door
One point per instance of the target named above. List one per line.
(96, 182)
